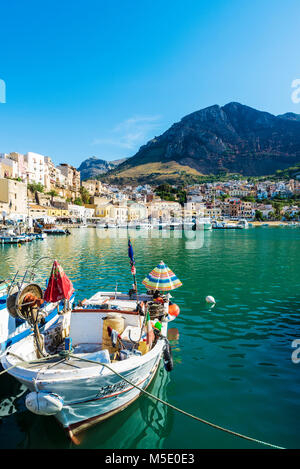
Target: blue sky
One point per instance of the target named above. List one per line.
(101, 78)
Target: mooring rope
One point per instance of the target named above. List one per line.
(187, 414)
(66, 354)
(27, 362)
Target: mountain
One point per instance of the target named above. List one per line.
(230, 139)
(93, 167)
(290, 116)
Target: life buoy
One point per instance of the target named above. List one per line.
(168, 357)
(174, 309)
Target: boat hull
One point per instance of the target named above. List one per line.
(102, 408)
(93, 393)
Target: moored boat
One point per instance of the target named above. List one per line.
(10, 237)
(217, 225)
(56, 231)
(113, 350)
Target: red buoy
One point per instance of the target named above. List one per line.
(174, 309)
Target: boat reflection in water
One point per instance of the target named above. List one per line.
(11, 393)
(144, 424)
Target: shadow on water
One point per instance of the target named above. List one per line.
(144, 424)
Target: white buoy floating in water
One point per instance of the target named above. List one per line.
(210, 299)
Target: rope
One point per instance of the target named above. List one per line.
(27, 362)
(187, 414)
(67, 354)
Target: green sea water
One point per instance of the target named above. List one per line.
(233, 362)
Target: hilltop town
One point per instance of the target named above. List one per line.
(32, 186)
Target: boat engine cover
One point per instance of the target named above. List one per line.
(42, 403)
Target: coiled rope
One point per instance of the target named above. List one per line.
(187, 414)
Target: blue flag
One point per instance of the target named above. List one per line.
(130, 252)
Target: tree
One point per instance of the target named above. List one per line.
(277, 210)
(249, 198)
(78, 201)
(35, 187)
(259, 215)
(53, 193)
(85, 196)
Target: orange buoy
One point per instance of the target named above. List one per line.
(174, 309)
(159, 300)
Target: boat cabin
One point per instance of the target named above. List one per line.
(113, 321)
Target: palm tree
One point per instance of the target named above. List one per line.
(53, 194)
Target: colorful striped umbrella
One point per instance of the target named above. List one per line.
(161, 278)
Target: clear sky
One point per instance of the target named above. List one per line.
(102, 77)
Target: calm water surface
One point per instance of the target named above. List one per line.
(232, 362)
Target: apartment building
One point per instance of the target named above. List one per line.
(93, 187)
(13, 196)
(72, 176)
(8, 167)
(19, 158)
(35, 167)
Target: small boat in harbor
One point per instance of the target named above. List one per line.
(203, 223)
(10, 237)
(221, 225)
(56, 231)
(37, 235)
(115, 342)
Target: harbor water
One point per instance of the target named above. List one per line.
(232, 361)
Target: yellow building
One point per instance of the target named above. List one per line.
(136, 211)
(93, 186)
(37, 211)
(164, 209)
(13, 196)
(213, 212)
(102, 211)
(57, 212)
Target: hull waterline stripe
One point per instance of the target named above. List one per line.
(110, 395)
(76, 428)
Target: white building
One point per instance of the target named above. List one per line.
(35, 167)
(77, 211)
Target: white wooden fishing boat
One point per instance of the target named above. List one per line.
(113, 345)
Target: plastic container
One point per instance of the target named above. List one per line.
(143, 347)
(116, 322)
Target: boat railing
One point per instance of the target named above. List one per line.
(20, 280)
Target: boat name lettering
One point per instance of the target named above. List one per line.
(112, 388)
